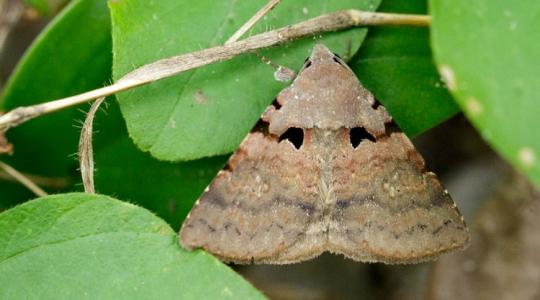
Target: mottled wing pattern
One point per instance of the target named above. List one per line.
(388, 208)
(262, 208)
(373, 201)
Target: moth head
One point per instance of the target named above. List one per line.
(327, 95)
(321, 55)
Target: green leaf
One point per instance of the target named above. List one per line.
(90, 246)
(168, 189)
(396, 65)
(488, 53)
(72, 55)
(207, 111)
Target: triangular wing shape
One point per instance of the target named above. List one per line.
(371, 200)
(388, 208)
(263, 208)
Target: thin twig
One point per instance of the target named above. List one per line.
(23, 179)
(256, 17)
(86, 153)
(5, 146)
(10, 12)
(282, 73)
(56, 183)
(171, 66)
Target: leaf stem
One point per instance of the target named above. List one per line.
(56, 183)
(22, 179)
(10, 12)
(256, 17)
(86, 153)
(174, 65)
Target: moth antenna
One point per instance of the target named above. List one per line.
(281, 73)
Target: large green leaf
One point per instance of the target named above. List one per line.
(123, 171)
(168, 189)
(75, 246)
(72, 55)
(207, 111)
(488, 52)
(396, 64)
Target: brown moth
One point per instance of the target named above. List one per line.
(325, 170)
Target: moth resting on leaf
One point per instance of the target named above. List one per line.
(325, 170)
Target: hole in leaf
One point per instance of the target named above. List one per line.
(294, 135)
(358, 134)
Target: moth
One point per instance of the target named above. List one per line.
(325, 169)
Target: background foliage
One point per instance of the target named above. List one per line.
(187, 120)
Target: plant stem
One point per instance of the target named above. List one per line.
(22, 179)
(56, 183)
(256, 17)
(86, 153)
(10, 12)
(171, 66)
